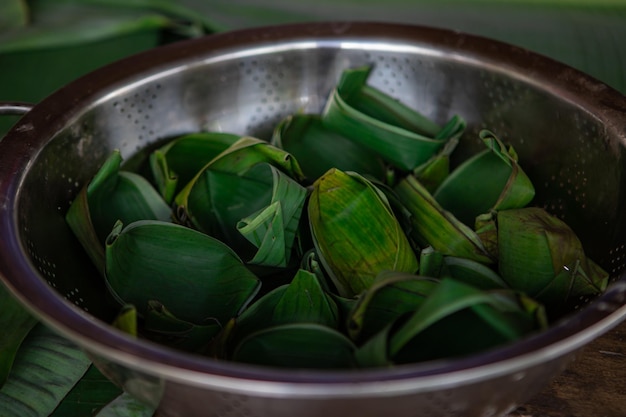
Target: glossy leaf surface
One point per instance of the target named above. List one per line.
(400, 135)
(45, 371)
(305, 345)
(490, 180)
(318, 148)
(434, 226)
(176, 163)
(112, 195)
(195, 276)
(492, 318)
(392, 295)
(542, 256)
(355, 232)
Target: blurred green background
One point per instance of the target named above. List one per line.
(45, 44)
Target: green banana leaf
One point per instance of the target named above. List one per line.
(224, 192)
(143, 263)
(125, 405)
(301, 345)
(437, 265)
(179, 160)
(319, 149)
(434, 171)
(59, 22)
(161, 326)
(438, 328)
(45, 370)
(493, 319)
(15, 323)
(392, 295)
(473, 273)
(257, 316)
(452, 296)
(487, 231)
(92, 392)
(541, 255)
(273, 228)
(352, 248)
(401, 136)
(433, 226)
(112, 195)
(303, 300)
(53, 378)
(490, 180)
(431, 263)
(311, 263)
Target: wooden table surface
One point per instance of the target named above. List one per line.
(594, 385)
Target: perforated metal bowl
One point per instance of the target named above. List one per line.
(569, 131)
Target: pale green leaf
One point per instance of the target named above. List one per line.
(434, 226)
(352, 247)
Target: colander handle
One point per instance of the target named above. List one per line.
(14, 108)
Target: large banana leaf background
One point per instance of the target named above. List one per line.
(45, 44)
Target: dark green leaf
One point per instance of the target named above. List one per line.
(473, 273)
(222, 194)
(177, 162)
(433, 226)
(319, 149)
(255, 317)
(304, 301)
(161, 326)
(194, 275)
(434, 171)
(273, 228)
(15, 322)
(112, 195)
(297, 346)
(439, 328)
(391, 296)
(45, 370)
(491, 180)
(375, 351)
(400, 135)
(126, 406)
(431, 262)
(91, 393)
(542, 256)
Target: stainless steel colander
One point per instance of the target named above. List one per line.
(569, 130)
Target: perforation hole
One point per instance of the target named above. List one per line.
(136, 111)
